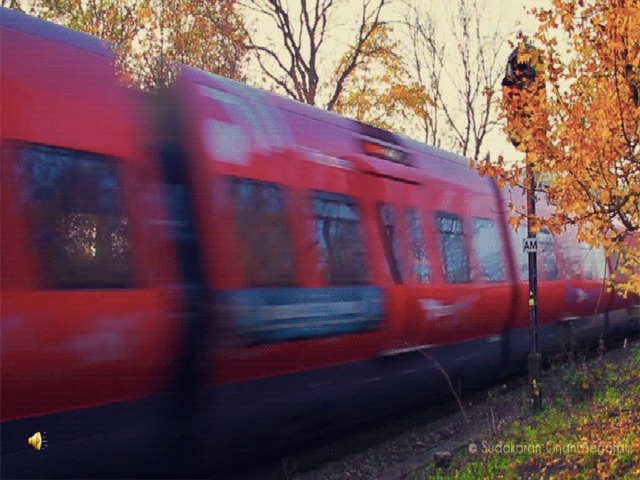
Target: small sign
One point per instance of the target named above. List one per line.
(529, 245)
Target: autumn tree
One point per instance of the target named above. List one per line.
(149, 35)
(380, 91)
(460, 66)
(117, 22)
(209, 35)
(581, 133)
(296, 58)
(425, 57)
(14, 4)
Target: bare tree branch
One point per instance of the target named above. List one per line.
(292, 63)
(466, 103)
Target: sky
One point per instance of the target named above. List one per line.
(513, 16)
(508, 16)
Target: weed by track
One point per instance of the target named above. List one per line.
(589, 428)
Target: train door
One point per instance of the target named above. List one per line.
(429, 305)
(408, 267)
(455, 271)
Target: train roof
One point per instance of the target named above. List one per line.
(60, 88)
(26, 23)
(427, 161)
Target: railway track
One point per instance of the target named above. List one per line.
(396, 445)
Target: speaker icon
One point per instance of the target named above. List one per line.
(38, 441)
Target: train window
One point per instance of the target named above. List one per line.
(81, 230)
(392, 243)
(522, 257)
(547, 255)
(571, 253)
(488, 248)
(594, 262)
(263, 229)
(421, 266)
(452, 248)
(337, 232)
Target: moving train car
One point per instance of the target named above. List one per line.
(89, 313)
(221, 257)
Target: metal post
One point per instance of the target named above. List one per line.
(534, 356)
(519, 76)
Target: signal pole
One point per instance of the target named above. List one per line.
(535, 359)
(518, 76)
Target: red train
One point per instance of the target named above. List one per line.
(220, 235)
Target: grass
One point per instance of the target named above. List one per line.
(589, 429)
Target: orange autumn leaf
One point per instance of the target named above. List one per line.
(149, 36)
(580, 125)
(380, 91)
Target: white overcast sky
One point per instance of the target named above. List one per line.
(509, 15)
(513, 17)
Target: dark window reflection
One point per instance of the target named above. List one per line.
(337, 232)
(81, 230)
(392, 241)
(264, 233)
(452, 248)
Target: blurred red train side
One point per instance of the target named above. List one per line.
(100, 329)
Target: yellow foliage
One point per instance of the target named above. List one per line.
(380, 92)
(579, 123)
(151, 34)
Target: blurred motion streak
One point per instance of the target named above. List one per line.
(213, 275)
